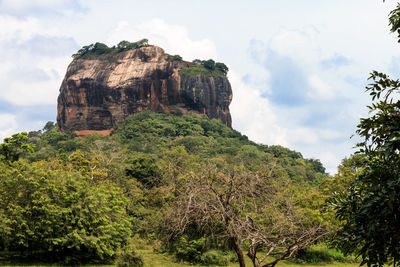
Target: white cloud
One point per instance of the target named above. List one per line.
(17, 30)
(8, 124)
(252, 114)
(174, 39)
(33, 61)
(330, 160)
(25, 4)
(329, 134)
(32, 80)
(300, 45)
(22, 7)
(315, 105)
(320, 90)
(28, 94)
(303, 136)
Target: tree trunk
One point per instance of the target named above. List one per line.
(238, 251)
(252, 256)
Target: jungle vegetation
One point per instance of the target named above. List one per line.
(191, 186)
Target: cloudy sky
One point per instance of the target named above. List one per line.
(298, 69)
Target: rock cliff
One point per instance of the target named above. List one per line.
(100, 91)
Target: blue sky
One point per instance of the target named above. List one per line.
(298, 69)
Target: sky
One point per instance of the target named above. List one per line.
(298, 69)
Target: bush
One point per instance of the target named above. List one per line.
(144, 168)
(189, 250)
(214, 257)
(321, 254)
(127, 257)
(59, 215)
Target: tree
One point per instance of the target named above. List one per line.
(54, 213)
(172, 58)
(15, 146)
(49, 125)
(370, 209)
(255, 209)
(222, 67)
(126, 45)
(209, 64)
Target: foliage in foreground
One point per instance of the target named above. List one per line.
(370, 209)
(51, 209)
(130, 182)
(269, 216)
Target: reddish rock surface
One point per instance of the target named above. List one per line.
(100, 91)
(100, 132)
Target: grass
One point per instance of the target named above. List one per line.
(12, 259)
(200, 70)
(321, 253)
(154, 259)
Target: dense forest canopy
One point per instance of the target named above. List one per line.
(138, 179)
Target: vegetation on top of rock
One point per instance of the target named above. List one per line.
(172, 58)
(206, 68)
(100, 48)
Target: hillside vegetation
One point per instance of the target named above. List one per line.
(159, 180)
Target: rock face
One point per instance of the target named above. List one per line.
(100, 91)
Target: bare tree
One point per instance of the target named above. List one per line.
(255, 209)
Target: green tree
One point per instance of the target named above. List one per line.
(209, 64)
(172, 58)
(15, 146)
(144, 168)
(49, 211)
(222, 67)
(49, 125)
(370, 209)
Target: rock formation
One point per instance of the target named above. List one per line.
(100, 91)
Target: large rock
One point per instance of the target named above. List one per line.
(100, 91)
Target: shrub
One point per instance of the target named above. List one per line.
(127, 257)
(144, 168)
(214, 257)
(189, 250)
(321, 254)
(58, 215)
